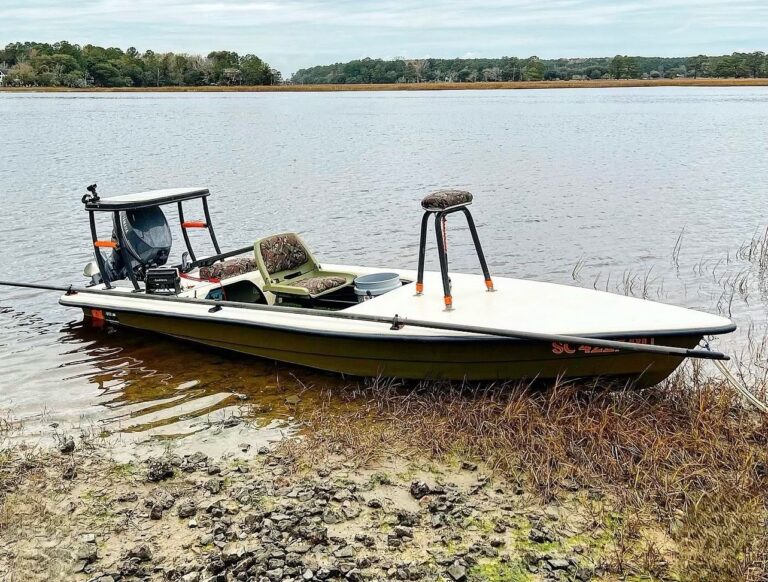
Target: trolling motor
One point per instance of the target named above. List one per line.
(441, 204)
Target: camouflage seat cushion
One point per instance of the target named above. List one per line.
(229, 268)
(443, 199)
(317, 285)
(282, 252)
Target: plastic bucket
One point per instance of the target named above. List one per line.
(370, 286)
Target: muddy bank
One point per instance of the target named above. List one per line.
(434, 482)
(76, 514)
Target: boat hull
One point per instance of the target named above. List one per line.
(449, 358)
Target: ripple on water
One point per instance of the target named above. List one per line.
(587, 187)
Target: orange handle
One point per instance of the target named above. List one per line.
(105, 244)
(194, 224)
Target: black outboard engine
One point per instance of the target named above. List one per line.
(147, 238)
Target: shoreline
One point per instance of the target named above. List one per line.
(435, 485)
(490, 85)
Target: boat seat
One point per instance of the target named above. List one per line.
(444, 199)
(228, 268)
(289, 269)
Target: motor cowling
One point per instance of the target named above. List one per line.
(147, 240)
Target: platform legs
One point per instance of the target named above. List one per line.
(442, 250)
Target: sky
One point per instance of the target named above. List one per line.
(293, 34)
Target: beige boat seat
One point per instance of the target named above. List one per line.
(288, 268)
(444, 199)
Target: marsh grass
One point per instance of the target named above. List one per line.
(685, 455)
(580, 84)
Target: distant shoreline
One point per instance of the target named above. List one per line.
(585, 84)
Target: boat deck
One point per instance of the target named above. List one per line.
(534, 306)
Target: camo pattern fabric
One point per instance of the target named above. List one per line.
(229, 268)
(443, 199)
(316, 285)
(282, 252)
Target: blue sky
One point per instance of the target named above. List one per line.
(292, 34)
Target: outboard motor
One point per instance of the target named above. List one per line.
(147, 238)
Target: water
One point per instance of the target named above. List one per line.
(649, 191)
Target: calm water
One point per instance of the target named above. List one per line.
(590, 187)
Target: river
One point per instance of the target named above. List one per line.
(649, 191)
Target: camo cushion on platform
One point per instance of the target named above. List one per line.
(317, 285)
(228, 268)
(282, 252)
(443, 199)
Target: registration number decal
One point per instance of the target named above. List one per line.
(560, 348)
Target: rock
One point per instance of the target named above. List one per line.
(86, 552)
(192, 523)
(538, 536)
(350, 512)
(232, 552)
(187, 508)
(88, 538)
(457, 572)
(419, 489)
(342, 495)
(156, 512)
(558, 563)
(159, 470)
(331, 516)
(191, 577)
(206, 539)
(298, 548)
(407, 518)
(468, 466)
(141, 552)
(67, 445)
(69, 473)
(402, 531)
(214, 469)
(213, 485)
(374, 503)
(345, 552)
(128, 497)
(308, 574)
(365, 539)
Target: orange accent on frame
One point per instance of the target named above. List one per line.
(489, 283)
(194, 224)
(105, 244)
(448, 301)
(419, 287)
(97, 314)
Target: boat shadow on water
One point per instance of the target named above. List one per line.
(165, 387)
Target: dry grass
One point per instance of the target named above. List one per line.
(593, 84)
(686, 453)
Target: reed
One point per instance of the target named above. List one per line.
(582, 84)
(686, 455)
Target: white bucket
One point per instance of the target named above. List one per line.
(370, 286)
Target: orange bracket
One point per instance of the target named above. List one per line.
(105, 244)
(194, 224)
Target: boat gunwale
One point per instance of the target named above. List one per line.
(386, 337)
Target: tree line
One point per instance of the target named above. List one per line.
(63, 64)
(738, 65)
